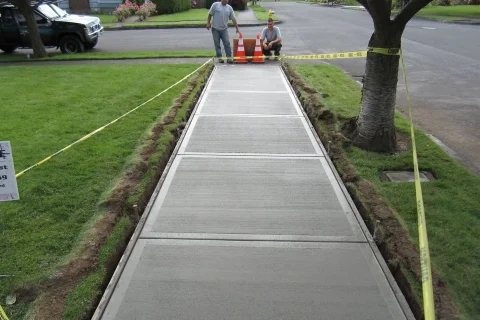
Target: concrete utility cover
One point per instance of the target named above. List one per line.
(407, 176)
(192, 279)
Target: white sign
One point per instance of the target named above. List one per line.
(8, 182)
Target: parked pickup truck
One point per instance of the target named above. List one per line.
(69, 32)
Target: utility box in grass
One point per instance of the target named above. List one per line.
(249, 45)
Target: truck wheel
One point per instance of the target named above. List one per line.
(8, 49)
(71, 44)
(91, 45)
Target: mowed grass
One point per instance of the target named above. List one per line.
(190, 18)
(261, 13)
(61, 199)
(451, 202)
(449, 12)
(190, 15)
(92, 55)
(106, 18)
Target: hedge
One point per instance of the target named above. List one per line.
(172, 6)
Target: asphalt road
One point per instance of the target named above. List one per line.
(442, 60)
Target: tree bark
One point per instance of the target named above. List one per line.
(32, 27)
(375, 128)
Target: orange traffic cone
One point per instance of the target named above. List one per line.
(240, 58)
(258, 54)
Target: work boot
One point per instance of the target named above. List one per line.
(220, 60)
(230, 61)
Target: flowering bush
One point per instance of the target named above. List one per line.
(125, 10)
(146, 10)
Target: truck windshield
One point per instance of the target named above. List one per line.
(48, 11)
(61, 12)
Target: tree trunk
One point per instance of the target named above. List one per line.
(32, 27)
(374, 129)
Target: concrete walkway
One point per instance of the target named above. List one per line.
(250, 220)
(248, 18)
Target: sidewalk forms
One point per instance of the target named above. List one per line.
(251, 221)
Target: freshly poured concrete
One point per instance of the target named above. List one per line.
(253, 196)
(250, 221)
(269, 135)
(191, 279)
(229, 103)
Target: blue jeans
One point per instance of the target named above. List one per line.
(221, 34)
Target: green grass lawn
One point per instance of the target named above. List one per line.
(61, 198)
(451, 202)
(106, 18)
(111, 55)
(167, 24)
(190, 15)
(452, 11)
(261, 13)
(449, 12)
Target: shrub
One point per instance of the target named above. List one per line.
(238, 4)
(146, 10)
(172, 6)
(125, 10)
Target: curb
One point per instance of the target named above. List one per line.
(194, 26)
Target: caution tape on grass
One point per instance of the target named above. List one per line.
(3, 315)
(110, 123)
(426, 271)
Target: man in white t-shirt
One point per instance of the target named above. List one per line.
(221, 12)
(272, 39)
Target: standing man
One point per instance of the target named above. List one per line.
(221, 12)
(272, 39)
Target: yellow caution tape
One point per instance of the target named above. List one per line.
(385, 51)
(3, 315)
(108, 124)
(324, 56)
(427, 285)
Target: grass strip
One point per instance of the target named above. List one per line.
(261, 13)
(452, 13)
(111, 55)
(106, 18)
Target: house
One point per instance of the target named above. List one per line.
(87, 6)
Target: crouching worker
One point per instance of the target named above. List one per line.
(272, 39)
